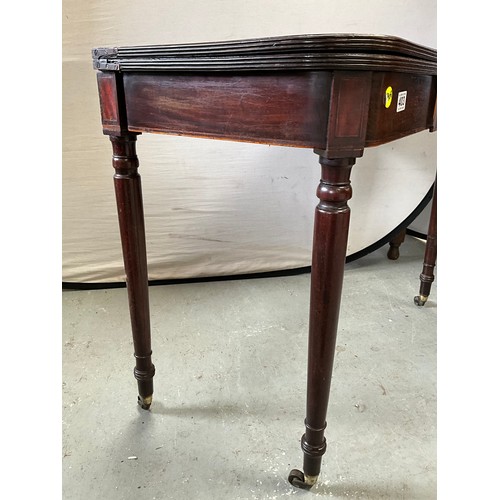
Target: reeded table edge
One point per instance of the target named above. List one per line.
(298, 52)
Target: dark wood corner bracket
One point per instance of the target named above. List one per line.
(335, 94)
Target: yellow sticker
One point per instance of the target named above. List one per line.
(388, 96)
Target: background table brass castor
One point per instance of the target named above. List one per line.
(420, 300)
(299, 480)
(144, 403)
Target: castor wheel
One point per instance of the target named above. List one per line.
(299, 480)
(420, 300)
(145, 402)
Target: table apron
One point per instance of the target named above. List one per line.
(288, 109)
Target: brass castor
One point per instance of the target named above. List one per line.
(420, 300)
(299, 480)
(145, 402)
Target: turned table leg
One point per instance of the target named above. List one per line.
(395, 243)
(329, 251)
(131, 219)
(427, 275)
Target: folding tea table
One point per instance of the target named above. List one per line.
(334, 93)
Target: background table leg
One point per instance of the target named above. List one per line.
(329, 251)
(394, 244)
(131, 218)
(427, 275)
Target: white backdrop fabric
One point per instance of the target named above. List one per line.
(217, 208)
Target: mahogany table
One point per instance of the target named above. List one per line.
(335, 94)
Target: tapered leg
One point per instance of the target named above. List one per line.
(131, 218)
(427, 275)
(329, 251)
(394, 244)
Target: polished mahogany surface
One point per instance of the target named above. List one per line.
(298, 52)
(273, 90)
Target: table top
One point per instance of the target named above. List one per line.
(297, 52)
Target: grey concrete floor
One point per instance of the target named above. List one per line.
(229, 401)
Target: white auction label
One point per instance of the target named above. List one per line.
(401, 101)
